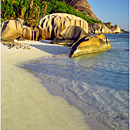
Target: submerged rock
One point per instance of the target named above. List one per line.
(90, 44)
(69, 35)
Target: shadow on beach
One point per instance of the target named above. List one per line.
(52, 49)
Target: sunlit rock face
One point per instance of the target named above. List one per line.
(90, 44)
(69, 36)
(51, 25)
(95, 28)
(116, 29)
(83, 6)
(11, 29)
(30, 34)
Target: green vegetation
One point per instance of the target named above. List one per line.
(107, 25)
(31, 11)
(55, 6)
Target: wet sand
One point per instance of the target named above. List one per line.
(26, 104)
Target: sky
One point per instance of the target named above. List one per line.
(115, 11)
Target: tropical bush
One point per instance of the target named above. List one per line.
(107, 25)
(31, 11)
(55, 6)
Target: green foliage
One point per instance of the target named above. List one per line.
(12, 9)
(61, 7)
(107, 25)
(58, 6)
(7, 9)
(4, 19)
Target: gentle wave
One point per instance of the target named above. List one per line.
(99, 80)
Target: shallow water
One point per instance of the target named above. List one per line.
(99, 80)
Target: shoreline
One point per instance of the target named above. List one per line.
(58, 90)
(87, 110)
(24, 103)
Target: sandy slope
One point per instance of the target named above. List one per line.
(26, 104)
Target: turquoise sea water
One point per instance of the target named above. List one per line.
(100, 81)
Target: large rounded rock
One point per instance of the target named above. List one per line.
(11, 29)
(3, 25)
(88, 45)
(95, 28)
(30, 34)
(21, 22)
(116, 29)
(69, 35)
(51, 25)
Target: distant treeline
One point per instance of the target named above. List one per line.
(31, 11)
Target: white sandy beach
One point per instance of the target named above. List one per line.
(26, 104)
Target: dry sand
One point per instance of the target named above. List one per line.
(26, 104)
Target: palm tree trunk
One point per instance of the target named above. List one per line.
(22, 14)
(31, 3)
